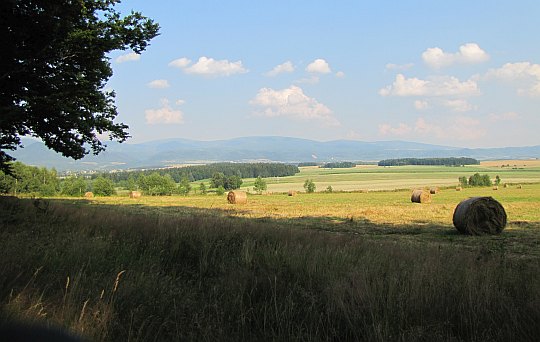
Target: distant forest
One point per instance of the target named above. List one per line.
(338, 165)
(429, 161)
(198, 172)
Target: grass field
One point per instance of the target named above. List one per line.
(342, 266)
(370, 177)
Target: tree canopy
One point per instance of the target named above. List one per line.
(54, 68)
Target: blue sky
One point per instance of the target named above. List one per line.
(459, 73)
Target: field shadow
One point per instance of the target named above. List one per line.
(521, 238)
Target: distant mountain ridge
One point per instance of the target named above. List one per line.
(170, 152)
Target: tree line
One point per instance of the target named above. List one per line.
(429, 161)
(199, 172)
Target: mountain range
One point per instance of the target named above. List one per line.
(171, 152)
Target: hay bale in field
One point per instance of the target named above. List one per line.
(495, 187)
(519, 186)
(433, 190)
(292, 193)
(88, 194)
(420, 196)
(458, 188)
(505, 185)
(135, 194)
(479, 216)
(237, 197)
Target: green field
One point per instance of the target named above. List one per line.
(346, 265)
(389, 178)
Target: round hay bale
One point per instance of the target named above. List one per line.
(433, 190)
(495, 187)
(479, 216)
(292, 193)
(135, 194)
(519, 186)
(505, 185)
(458, 188)
(237, 197)
(420, 196)
(88, 194)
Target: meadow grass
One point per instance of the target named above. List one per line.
(325, 266)
(371, 177)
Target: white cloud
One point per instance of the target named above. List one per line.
(319, 66)
(313, 79)
(436, 86)
(421, 105)
(392, 66)
(508, 116)
(209, 67)
(129, 57)
(180, 63)
(523, 71)
(179, 102)
(292, 103)
(164, 115)
(158, 84)
(401, 129)
(340, 74)
(282, 68)
(468, 54)
(459, 105)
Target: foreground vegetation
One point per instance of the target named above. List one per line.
(339, 266)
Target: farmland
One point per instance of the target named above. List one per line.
(347, 265)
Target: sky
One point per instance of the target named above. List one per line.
(455, 73)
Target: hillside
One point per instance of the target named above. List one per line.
(169, 152)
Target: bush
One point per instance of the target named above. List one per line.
(103, 187)
(309, 186)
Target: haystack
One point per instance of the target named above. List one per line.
(505, 185)
(237, 197)
(420, 196)
(433, 190)
(495, 187)
(479, 216)
(89, 194)
(458, 188)
(519, 186)
(135, 194)
(292, 193)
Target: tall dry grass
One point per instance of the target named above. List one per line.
(110, 275)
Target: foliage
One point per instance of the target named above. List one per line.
(157, 185)
(227, 182)
(338, 165)
(202, 189)
(220, 191)
(24, 179)
(309, 186)
(329, 189)
(497, 180)
(259, 185)
(103, 187)
(479, 180)
(184, 187)
(463, 181)
(429, 161)
(200, 172)
(54, 69)
(74, 186)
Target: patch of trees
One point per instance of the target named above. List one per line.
(24, 179)
(429, 161)
(199, 172)
(219, 180)
(477, 180)
(338, 165)
(307, 164)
